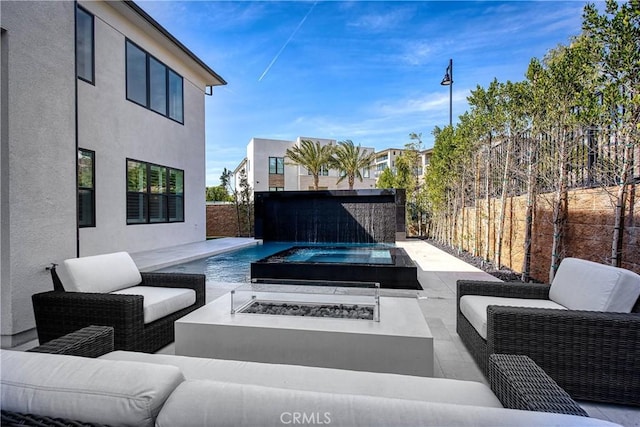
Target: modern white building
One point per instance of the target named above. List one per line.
(386, 159)
(103, 141)
(267, 169)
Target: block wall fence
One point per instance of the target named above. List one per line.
(222, 221)
(588, 233)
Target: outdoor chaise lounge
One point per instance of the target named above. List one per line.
(109, 290)
(583, 329)
(137, 389)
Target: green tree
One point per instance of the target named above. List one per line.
(350, 160)
(514, 100)
(225, 181)
(245, 202)
(487, 119)
(616, 33)
(562, 83)
(218, 193)
(439, 181)
(313, 156)
(387, 179)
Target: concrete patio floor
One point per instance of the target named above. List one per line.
(438, 272)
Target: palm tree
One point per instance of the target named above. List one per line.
(349, 160)
(311, 156)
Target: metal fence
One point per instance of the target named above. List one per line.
(593, 158)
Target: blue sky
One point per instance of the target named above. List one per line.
(369, 71)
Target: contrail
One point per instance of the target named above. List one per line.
(275, 58)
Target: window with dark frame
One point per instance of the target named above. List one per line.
(86, 188)
(152, 84)
(155, 193)
(324, 171)
(276, 165)
(85, 57)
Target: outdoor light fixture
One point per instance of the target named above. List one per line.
(448, 81)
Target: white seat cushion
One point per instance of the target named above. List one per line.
(587, 285)
(474, 308)
(160, 301)
(83, 389)
(99, 273)
(325, 380)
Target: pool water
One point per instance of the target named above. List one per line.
(235, 266)
(337, 255)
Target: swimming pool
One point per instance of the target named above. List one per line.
(335, 255)
(387, 265)
(235, 266)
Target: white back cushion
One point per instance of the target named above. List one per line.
(587, 285)
(99, 273)
(83, 389)
(214, 403)
(326, 380)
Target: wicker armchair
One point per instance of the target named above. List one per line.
(58, 312)
(592, 355)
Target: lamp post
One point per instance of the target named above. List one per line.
(448, 81)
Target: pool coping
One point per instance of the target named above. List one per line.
(166, 257)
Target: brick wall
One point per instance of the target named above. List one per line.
(588, 234)
(222, 221)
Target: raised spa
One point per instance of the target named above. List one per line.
(389, 266)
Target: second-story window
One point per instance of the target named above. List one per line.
(276, 165)
(153, 85)
(84, 45)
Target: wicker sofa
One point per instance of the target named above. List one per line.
(130, 388)
(583, 329)
(109, 290)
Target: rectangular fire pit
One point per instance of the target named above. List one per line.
(336, 311)
(400, 342)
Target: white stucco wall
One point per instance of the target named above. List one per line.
(258, 152)
(117, 129)
(38, 222)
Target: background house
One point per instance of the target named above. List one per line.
(267, 169)
(103, 141)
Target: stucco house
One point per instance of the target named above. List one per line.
(103, 141)
(267, 169)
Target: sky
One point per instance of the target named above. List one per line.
(367, 71)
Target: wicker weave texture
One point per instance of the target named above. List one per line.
(16, 419)
(92, 341)
(592, 355)
(521, 384)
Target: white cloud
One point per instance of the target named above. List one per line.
(384, 20)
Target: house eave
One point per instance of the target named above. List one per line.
(134, 12)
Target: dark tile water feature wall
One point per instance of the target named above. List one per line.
(354, 216)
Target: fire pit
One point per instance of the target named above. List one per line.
(398, 341)
(340, 311)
